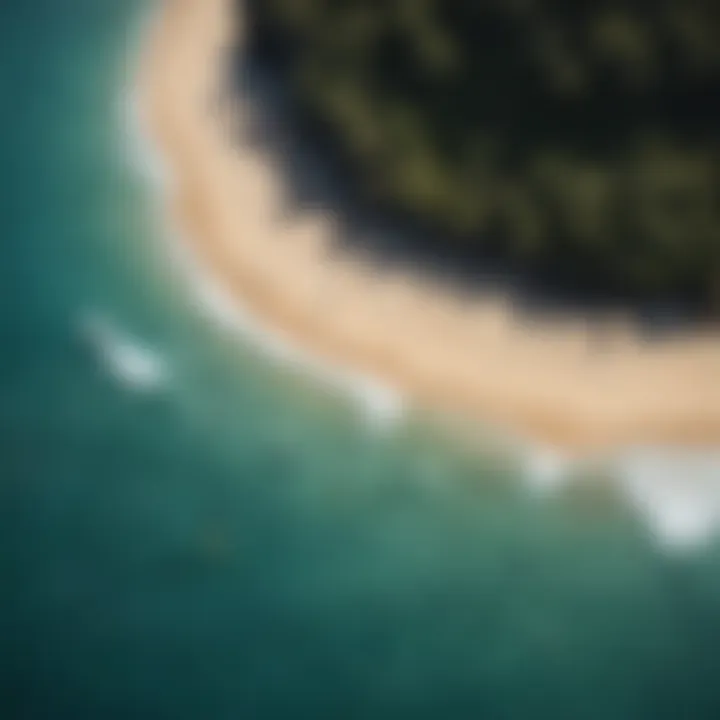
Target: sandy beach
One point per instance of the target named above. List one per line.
(546, 380)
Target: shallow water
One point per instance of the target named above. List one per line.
(188, 530)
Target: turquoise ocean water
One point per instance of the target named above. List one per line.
(200, 533)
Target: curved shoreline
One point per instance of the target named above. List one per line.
(545, 382)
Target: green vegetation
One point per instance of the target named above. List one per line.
(578, 139)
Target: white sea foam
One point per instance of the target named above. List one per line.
(382, 406)
(546, 469)
(125, 357)
(136, 146)
(676, 491)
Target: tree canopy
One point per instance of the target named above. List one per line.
(578, 138)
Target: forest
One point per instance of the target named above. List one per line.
(576, 140)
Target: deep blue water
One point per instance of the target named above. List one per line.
(237, 543)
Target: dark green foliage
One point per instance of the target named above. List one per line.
(576, 136)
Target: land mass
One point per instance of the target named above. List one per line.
(578, 384)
